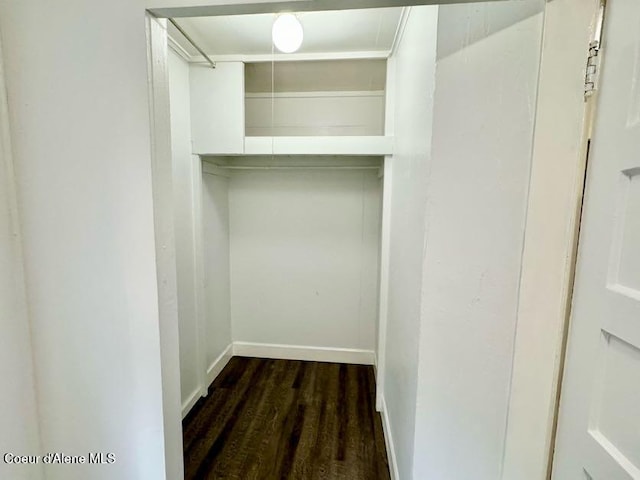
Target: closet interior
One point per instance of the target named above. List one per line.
(278, 185)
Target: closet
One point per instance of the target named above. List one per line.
(365, 207)
(278, 183)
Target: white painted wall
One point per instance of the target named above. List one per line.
(19, 432)
(486, 82)
(184, 222)
(202, 246)
(79, 114)
(411, 82)
(304, 257)
(217, 286)
(315, 113)
(217, 108)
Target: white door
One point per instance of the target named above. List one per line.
(599, 423)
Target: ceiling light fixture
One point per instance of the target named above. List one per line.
(287, 33)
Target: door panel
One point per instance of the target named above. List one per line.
(599, 424)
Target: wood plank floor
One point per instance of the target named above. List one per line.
(283, 419)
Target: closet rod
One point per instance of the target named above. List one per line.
(192, 42)
(298, 167)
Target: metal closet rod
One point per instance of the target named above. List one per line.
(192, 42)
(298, 167)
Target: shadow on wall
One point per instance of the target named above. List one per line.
(497, 15)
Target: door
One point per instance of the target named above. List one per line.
(599, 423)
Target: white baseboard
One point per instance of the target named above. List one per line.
(300, 352)
(218, 364)
(284, 352)
(388, 440)
(212, 372)
(188, 404)
(375, 366)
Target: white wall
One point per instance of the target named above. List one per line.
(202, 243)
(184, 223)
(217, 286)
(19, 432)
(315, 113)
(486, 81)
(411, 76)
(217, 108)
(81, 138)
(304, 248)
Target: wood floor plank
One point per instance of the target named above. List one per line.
(282, 419)
(208, 410)
(206, 448)
(237, 445)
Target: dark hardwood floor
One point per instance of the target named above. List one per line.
(283, 419)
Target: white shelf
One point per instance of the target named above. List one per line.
(337, 145)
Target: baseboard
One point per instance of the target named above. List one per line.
(212, 372)
(300, 352)
(190, 402)
(375, 365)
(285, 352)
(388, 440)
(219, 363)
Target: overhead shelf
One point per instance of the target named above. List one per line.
(335, 145)
(223, 165)
(335, 123)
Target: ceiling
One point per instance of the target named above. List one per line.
(324, 32)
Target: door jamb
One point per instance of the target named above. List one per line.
(163, 222)
(562, 131)
(591, 103)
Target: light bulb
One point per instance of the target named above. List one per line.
(287, 33)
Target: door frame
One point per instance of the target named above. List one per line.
(559, 155)
(548, 261)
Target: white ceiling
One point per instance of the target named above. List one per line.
(324, 32)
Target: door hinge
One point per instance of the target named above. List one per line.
(592, 75)
(593, 70)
